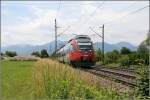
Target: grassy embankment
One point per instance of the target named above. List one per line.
(50, 79)
(55, 80)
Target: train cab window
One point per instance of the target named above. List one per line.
(85, 46)
(83, 39)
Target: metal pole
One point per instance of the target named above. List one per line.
(55, 36)
(49, 49)
(103, 43)
(102, 36)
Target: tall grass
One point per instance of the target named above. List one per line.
(58, 81)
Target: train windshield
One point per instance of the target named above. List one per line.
(83, 39)
(85, 46)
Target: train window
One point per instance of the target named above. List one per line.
(83, 39)
(85, 47)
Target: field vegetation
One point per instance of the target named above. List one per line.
(48, 79)
(53, 80)
(16, 79)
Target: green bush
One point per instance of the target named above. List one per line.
(145, 57)
(125, 50)
(134, 59)
(143, 81)
(139, 59)
(44, 53)
(108, 58)
(36, 53)
(124, 61)
(11, 53)
(99, 55)
(112, 57)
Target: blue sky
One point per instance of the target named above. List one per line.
(32, 22)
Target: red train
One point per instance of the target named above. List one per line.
(78, 52)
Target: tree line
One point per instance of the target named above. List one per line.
(43, 53)
(125, 56)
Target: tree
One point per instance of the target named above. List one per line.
(36, 53)
(11, 53)
(116, 52)
(142, 82)
(2, 54)
(44, 53)
(144, 46)
(112, 57)
(143, 50)
(143, 71)
(124, 61)
(125, 51)
(99, 55)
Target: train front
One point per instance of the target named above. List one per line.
(86, 51)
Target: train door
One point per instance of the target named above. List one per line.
(66, 51)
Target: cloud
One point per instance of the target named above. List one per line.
(38, 27)
(30, 30)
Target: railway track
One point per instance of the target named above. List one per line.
(124, 77)
(116, 68)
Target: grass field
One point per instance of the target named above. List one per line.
(48, 79)
(16, 79)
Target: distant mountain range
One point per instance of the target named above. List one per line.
(110, 47)
(25, 49)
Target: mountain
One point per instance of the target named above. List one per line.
(110, 47)
(26, 49)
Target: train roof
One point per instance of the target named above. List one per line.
(76, 37)
(80, 36)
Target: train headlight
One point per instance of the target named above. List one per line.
(90, 50)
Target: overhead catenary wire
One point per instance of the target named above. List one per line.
(63, 31)
(133, 12)
(95, 32)
(99, 6)
(58, 9)
(28, 3)
(93, 13)
(130, 13)
(89, 16)
(139, 9)
(123, 9)
(57, 14)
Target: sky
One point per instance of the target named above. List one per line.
(32, 22)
